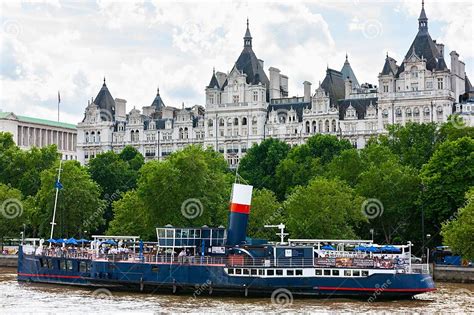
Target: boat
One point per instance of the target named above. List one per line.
(215, 260)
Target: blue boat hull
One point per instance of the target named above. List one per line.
(205, 279)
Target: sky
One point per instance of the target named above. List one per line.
(48, 46)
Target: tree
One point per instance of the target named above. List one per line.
(391, 191)
(324, 209)
(458, 233)
(347, 166)
(446, 178)
(79, 206)
(414, 143)
(21, 169)
(115, 176)
(134, 158)
(131, 217)
(190, 188)
(259, 165)
(454, 129)
(13, 212)
(326, 147)
(265, 210)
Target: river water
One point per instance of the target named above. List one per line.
(28, 298)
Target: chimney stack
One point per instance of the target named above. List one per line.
(307, 91)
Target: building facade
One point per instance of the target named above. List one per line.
(31, 132)
(244, 106)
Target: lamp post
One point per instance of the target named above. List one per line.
(372, 233)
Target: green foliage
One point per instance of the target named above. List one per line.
(265, 210)
(347, 166)
(326, 147)
(134, 158)
(446, 178)
(458, 233)
(414, 143)
(259, 164)
(324, 209)
(396, 187)
(79, 205)
(131, 217)
(22, 169)
(193, 181)
(13, 211)
(450, 132)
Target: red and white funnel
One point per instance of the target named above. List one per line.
(239, 213)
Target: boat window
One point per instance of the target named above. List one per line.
(335, 272)
(299, 272)
(246, 272)
(69, 265)
(238, 271)
(50, 264)
(82, 266)
(261, 272)
(270, 272)
(327, 272)
(347, 273)
(42, 263)
(319, 272)
(279, 272)
(154, 269)
(290, 272)
(253, 272)
(62, 264)
(365, 273)
(356, 273)
(231, 271)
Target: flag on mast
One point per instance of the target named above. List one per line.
(59, 101)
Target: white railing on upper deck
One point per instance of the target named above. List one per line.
(420, 268)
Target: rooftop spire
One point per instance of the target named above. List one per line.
(158, 90)
(423, 20)
(247, 37)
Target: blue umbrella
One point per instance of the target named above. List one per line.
(52, 241)
(373, 249)
(390, 248)
(328, 247)
(110, 242)
(71, 241)
(360, 248)
(83, 241)
(60, 241)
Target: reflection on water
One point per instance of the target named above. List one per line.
(28, 298)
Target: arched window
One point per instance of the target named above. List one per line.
(408, 112)
(180, 133)
(398, 112)
(221, 122)
(92, 136)
(87, 137)
(254, 120)
(333, 125)
(385, 113)
(132, 135)
(186, 133)
(236, 121)
(314, 126)
(244, 121)
(98, 136)
(320, 126)
(426, 111)
(414, 72)
(210, 122)
(308, 127)
(327, 125)
(416, 112)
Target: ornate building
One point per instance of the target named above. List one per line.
(244, 106)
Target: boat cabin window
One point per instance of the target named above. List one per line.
(327, 272)
(253, 272)
(347, 273)
(50, 263)
(231, 271)
(43, 263)
(299, 272)
(365, 273)
(261, 272)
(246, 272)
(69, 264)
(279, 272)
(290, 272)
(356, 273)
(238, 271)
(62, 264)
(335, 272)
(270, 272)
(319, 272)
(82, 266)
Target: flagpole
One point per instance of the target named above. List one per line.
(56, 200)
(59, 101)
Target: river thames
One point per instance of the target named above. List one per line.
(28, 298)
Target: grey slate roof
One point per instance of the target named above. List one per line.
(105, 101)
(360, 105)
(214, 83)
(390, 67)
(248, 63)
(334, 85)
(348, 73)
(158, 102)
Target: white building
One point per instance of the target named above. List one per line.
(244, 106)
(31, 132)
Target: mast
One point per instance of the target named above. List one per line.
(56, 199)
